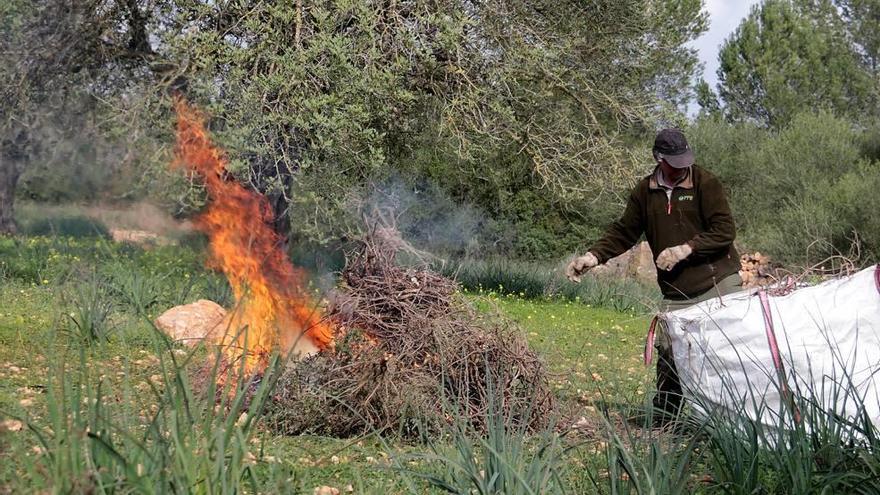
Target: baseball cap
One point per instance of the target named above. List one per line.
(671, 145)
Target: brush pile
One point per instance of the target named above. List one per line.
(410, 357)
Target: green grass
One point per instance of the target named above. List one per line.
(546, 281)
(594, 353)
(588, 349)
(109, 409)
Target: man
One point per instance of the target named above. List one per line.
(683, 212)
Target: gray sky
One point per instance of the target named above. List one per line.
(724, 17)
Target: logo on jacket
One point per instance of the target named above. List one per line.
(686, 197)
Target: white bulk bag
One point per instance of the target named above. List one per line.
(828, 337)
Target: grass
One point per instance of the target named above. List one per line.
(40, 377)
(592, 352)
(112, 291)
(546, 281)
(122, 416)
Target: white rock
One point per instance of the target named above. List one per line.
(190, 324)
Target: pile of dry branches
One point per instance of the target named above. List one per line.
(411, 356)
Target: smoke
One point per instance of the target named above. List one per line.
(428, 218)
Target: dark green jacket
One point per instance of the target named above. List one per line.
(697, 214)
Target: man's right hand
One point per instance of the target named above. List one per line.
(580, 266)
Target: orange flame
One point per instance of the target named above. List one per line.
(273, 305)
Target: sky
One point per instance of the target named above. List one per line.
(724, 17)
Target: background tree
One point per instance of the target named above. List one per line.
(791, 55)
(528, 111)
(316, 99)
(707, 100)
(60, 57)
(862, 18)
(800, 193)
(674, 64)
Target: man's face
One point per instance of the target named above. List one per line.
(671, 173)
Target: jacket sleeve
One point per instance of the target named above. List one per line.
(720, 229)
(623, 233)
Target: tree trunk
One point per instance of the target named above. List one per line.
(9, 174)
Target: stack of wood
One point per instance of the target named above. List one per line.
(756, 270)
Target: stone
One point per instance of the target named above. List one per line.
(637, 263)
(190, 324)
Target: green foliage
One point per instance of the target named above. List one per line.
(127, 417)
(349, 92)
(870, 140)
(674, 25)
(140, 292)
(83, 174)
(90, 307)
(455, 214)
(541, 280)
(529, 109)
(96, 443)
(822, 441)
(789, 56)
(452, 208)
(72, 226)
(23, 260)
(707, 100)
(65, 65)
(802, 193)
(506, 459)
(216, 288)
(101, 425)
(143, 280)
(862, 18)
(643, 459)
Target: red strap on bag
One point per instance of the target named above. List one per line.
(649, 341)
(774, 350)
(877, 277)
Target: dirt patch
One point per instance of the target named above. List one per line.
(139, 222)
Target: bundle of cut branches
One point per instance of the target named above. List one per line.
(411, 356)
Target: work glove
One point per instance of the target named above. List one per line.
(580, 266)
(670, 257)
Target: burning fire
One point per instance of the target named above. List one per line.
(273, 307)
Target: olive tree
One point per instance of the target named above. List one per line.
(313, 99)
(59, 58)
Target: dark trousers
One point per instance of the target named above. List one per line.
(669, 392)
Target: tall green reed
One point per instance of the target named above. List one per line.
(163, 435)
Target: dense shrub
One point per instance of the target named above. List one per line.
(72, 226)
(802, 193)
(546, 280)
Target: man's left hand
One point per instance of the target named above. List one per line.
(670, 257)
